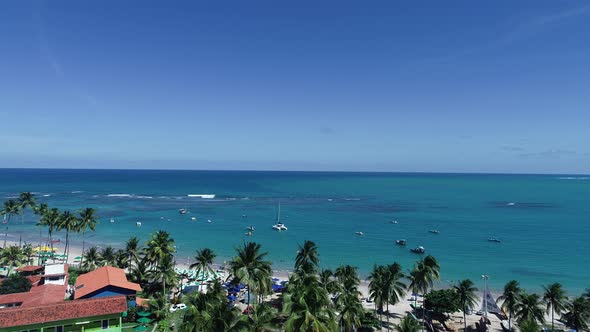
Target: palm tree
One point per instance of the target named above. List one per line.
(132, 249)
(378, 287)
(12, 257)
(158, 307)
(28, 252)
(386, 286)
(164, 272)
(10, 208)
(510, 298)
(424, 274)
(92, 259)
(466, 293)
(51, 218)
(211, 311)
(554, 297)
(121, 259)
(307, 305)
(203, 262)
(351, 310)
(307, 258)
(528, 325)
(26, 200)
(262, 319)
(140, 272)
(408, 324)
(578, 313)
(328, 282)
(395, 285)
(348, 278)
(530, 307)
(108, 256)
(68, 222)
(86, 220)
(159, 246)
(249, 266)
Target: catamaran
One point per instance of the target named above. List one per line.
(279, 226)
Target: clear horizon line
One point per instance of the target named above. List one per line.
(287, 171)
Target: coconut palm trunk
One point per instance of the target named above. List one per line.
(83, 244)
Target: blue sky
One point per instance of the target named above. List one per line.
(465, 86)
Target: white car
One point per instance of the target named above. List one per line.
(175, 307)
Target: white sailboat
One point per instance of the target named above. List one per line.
(279, 226)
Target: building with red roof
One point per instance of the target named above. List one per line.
(103, 282)
(99, 314)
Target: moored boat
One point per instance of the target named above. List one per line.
(418, 250)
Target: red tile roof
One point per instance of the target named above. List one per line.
(30, 268)
(101, 278)
(10, 317)
(39, 295)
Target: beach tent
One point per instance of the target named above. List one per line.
(140, 328)
(143, 313)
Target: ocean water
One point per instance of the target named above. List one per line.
(542, 220)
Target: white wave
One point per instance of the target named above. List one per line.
(147, 197)
(119, 195)
(352, 199)
(205, 196)
(573, 178)
(76, 192)
(46, 195)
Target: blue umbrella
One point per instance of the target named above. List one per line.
(232, 297)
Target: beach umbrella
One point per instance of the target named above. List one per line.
(143, 313)
(140, 328)
(144, 320)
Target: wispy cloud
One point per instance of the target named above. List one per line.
(512, 148)
(527, 28)
(549, 153)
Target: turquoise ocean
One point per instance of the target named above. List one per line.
(543, 221)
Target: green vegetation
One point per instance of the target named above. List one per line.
(15, 283)
(313, 300)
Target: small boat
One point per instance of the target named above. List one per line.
(183, 211)
(418, 250)
(112, 221)
(393, 222)
(359, 233)
(138, 224)
(511, 204)
(279, 226)
(244, 216)
(193, 218)
(493, 239)
(209, 221)
(249, 233)
(400, 242)
(250, 228)
(434, 231)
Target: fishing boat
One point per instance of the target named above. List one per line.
(183, 211)
(434, 231)
(359, 233)
(279, 226)
(418, 250)
(393, 222)
(193, 218)
(250, 228)
(112, 221)
(493, 239)
(138, 224)
(400, 242)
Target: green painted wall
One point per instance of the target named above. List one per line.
(95, 324)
